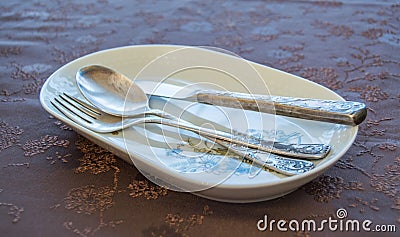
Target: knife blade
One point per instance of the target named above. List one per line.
(333, 111)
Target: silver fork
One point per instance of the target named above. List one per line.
(92, 118)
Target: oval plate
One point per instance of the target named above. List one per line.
(169, 159)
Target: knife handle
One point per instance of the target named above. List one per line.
(332, 111)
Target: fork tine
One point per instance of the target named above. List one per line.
(79, 108)
(71, 110)
(82, 115)
(84, 104)
(68, 112)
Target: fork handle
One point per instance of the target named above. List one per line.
(302, 151)
(270, 161)
(333, 111)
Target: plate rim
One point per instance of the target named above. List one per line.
(286, 180)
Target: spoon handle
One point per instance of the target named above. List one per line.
(333, 111)
(301, 151)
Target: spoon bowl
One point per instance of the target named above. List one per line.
(111, 92)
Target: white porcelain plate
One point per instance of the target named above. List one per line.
(183, 161)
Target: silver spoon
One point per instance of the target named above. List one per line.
(115, 94)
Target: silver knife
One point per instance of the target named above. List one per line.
(333, 111)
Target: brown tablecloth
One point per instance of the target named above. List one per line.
(55, 183)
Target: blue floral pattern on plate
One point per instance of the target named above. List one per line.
(196, 157)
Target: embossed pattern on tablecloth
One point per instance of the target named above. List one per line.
(54, 182)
